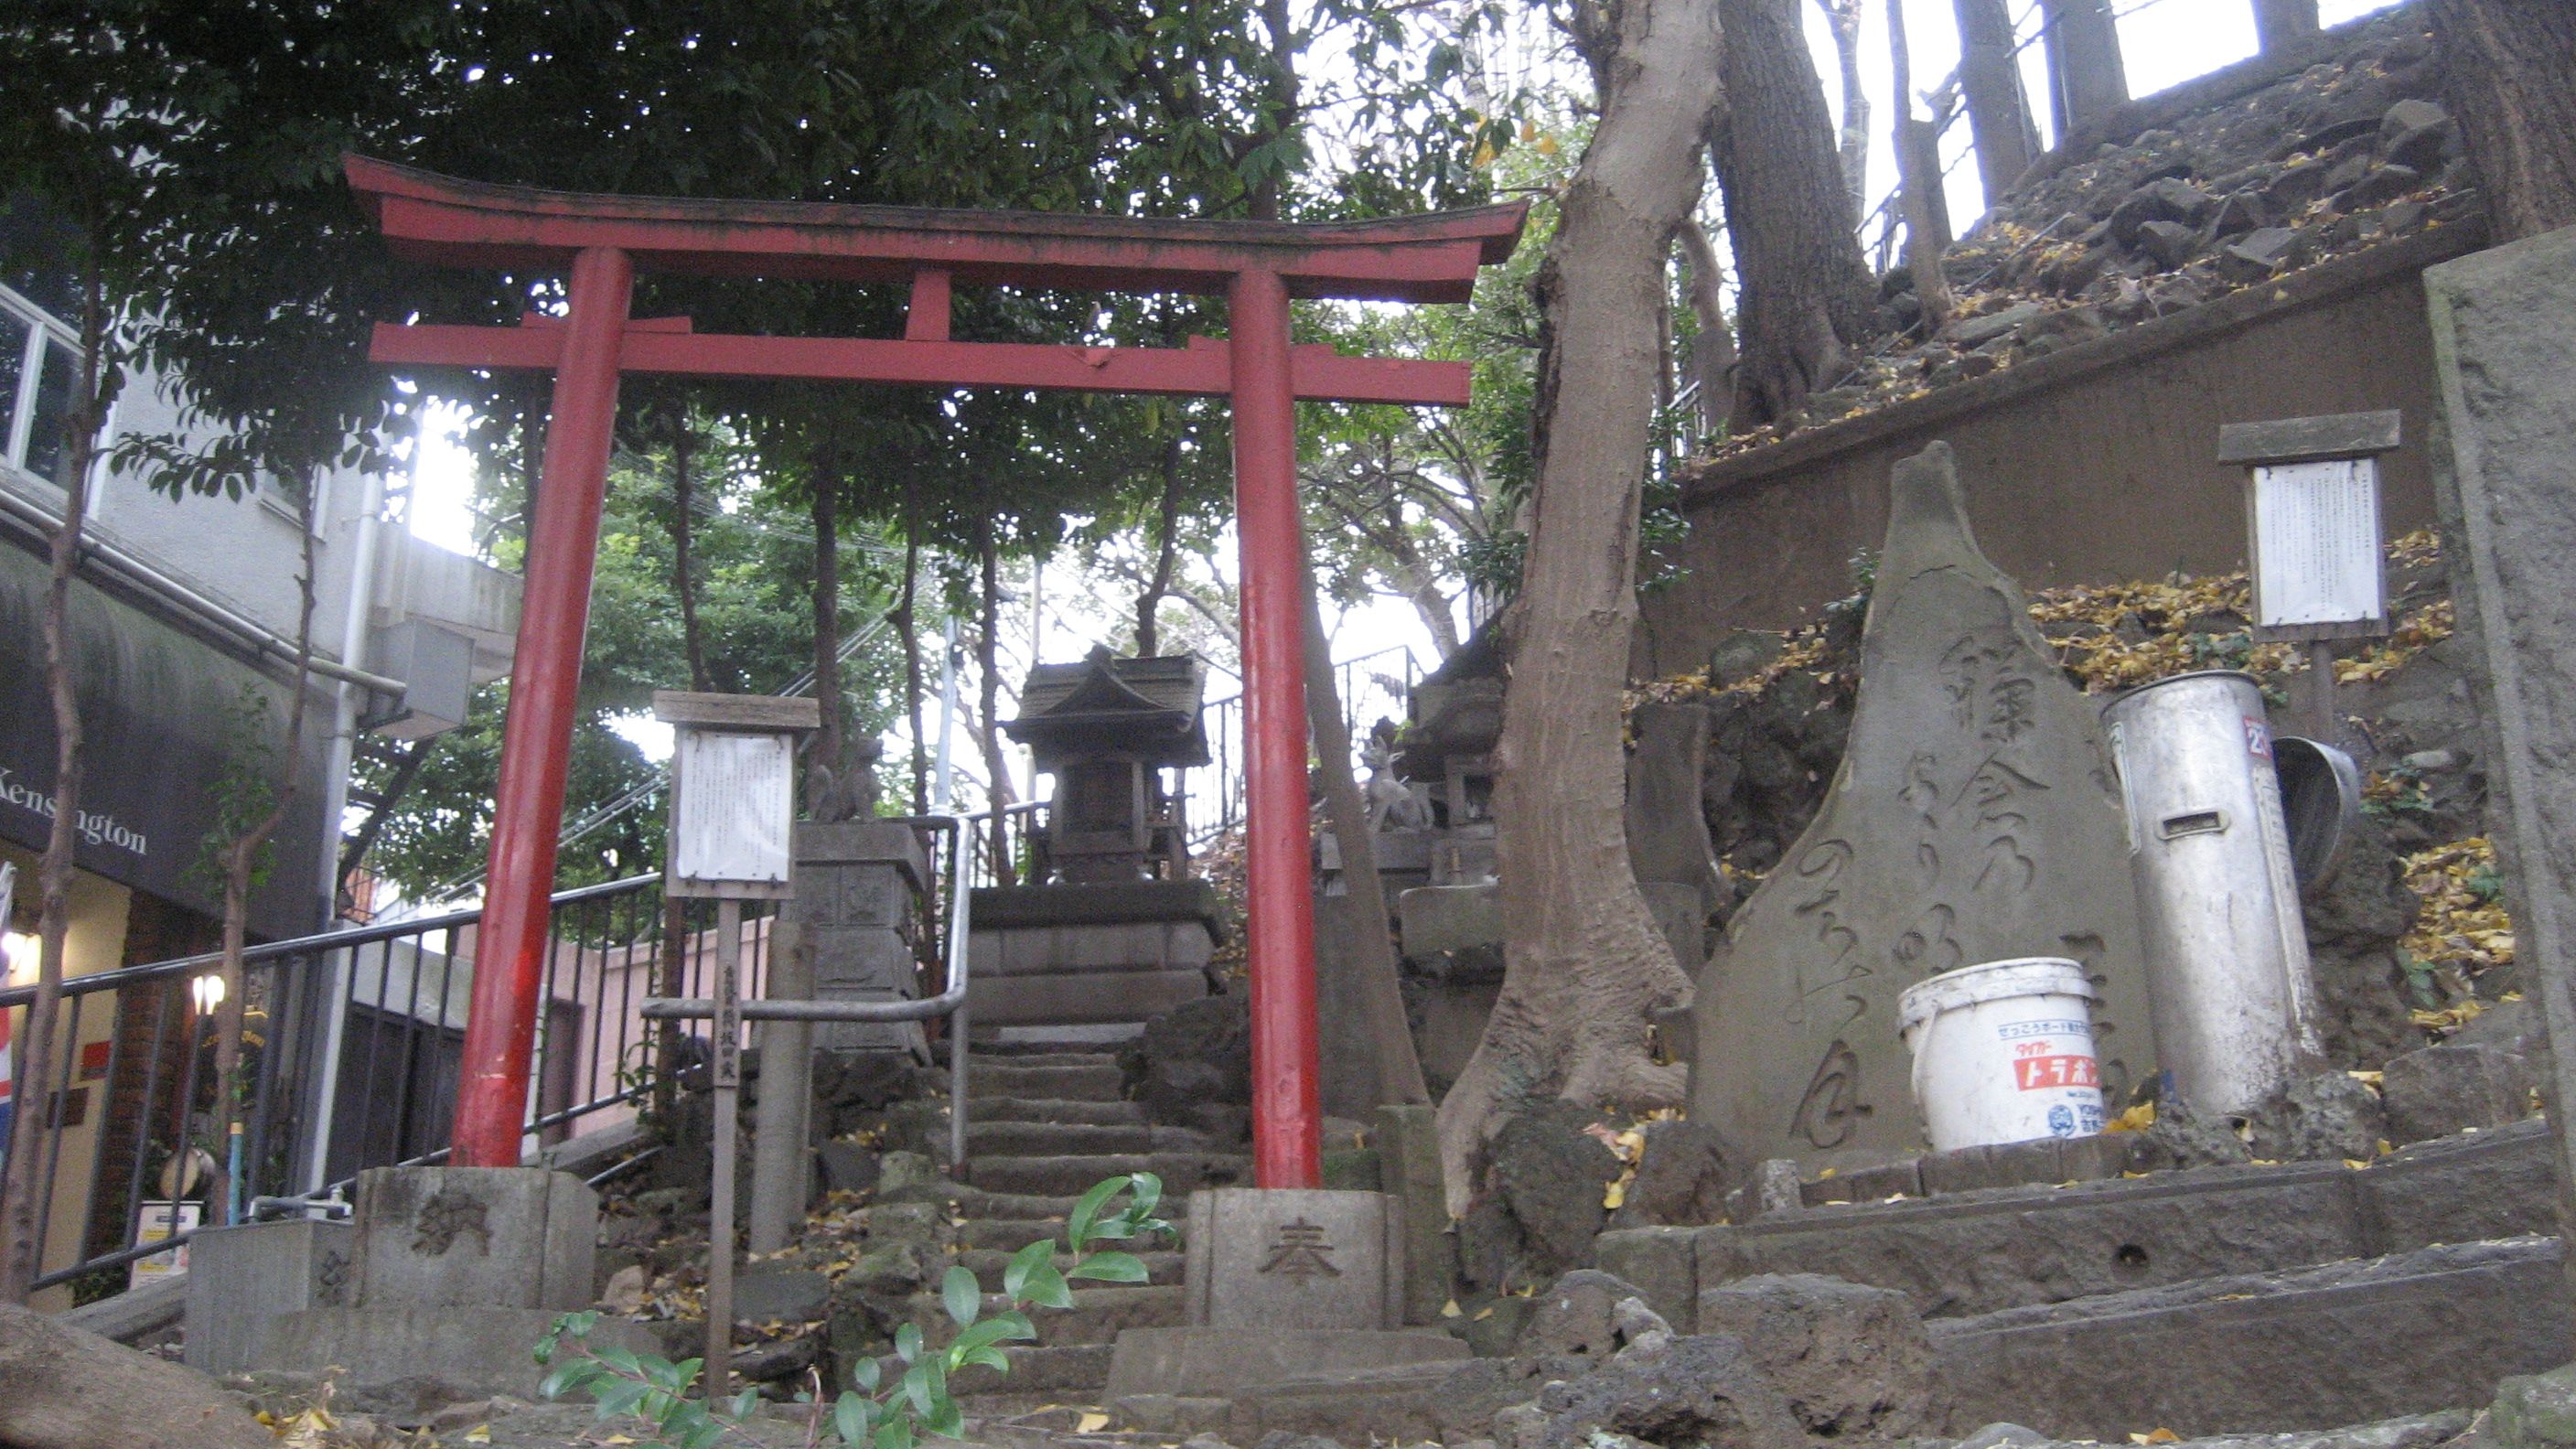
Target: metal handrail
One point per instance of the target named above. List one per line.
(298, 945)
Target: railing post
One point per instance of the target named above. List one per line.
(536, 739)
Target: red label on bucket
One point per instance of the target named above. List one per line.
(2035, 1074)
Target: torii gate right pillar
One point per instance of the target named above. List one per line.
(1279, 913)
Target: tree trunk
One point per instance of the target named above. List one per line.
(2084, 69)
(2280, 24)
(827, 608)
(240, 858)
(1279, 109)
(1713, 344)
(908, 623)
(684, 581)
(20, 1250)
(1584, 965)
(988, 679)
(1396, 1069)
(2509, 63)
(63, 1388)
(1167, 550)
(1805, 292)
(1918, 166)
(1999, 116)
(1842, 19)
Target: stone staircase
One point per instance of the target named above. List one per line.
(1045, 1122)
(2214, 1300)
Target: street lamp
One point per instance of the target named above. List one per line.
(208, 992)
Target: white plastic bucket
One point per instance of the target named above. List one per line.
(2003, 1052)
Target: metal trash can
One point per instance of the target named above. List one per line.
(2218, 903)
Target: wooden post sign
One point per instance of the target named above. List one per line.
(733, 809)
(733, 791)
(2313, 535)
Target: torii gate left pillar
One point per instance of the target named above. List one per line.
(602, 241)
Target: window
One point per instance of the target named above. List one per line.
(38, 369)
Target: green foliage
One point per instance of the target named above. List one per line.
(871, 1413)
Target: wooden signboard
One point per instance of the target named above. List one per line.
(733, 792)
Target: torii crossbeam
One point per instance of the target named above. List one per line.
(601, 241)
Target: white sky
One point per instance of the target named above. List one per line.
(2163, 42)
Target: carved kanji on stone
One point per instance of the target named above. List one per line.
(1974, 818)
(1301, 1252)
(445, 1218)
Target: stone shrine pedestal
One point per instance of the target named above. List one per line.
(1102, 954)
(451, 1273)
(1281, 1284)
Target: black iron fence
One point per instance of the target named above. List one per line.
(352, 1048)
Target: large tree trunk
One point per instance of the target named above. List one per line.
(1805, 292)
(1584, 965)
(1396, 1069)
(908, 623)
(988, 680)
(1842, 19)
(1918, 166)
(2085, 74)
(1712, 353)
(2509, 64)
(36, 1071)
(1999, 118)
(63, 1388)
(827, 609)
(2279, 24)
(1167, 552)
(684, 579)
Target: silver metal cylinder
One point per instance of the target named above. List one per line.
(2218, 905)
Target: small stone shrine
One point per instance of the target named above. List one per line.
(1108, 929)
(1107, 729)
(1975, 817)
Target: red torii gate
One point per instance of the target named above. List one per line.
(602, 239)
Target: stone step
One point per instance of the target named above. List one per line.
(974, 1060)
(1034, 1044)
(1077, 1368)
(990, 1407)
(1967, 1253)
(981, 1109)
(1162, 1266)
(1015, 1205)
(974, 1202)
(2371, 1339)
(1057, 1139)
(1087, 1081)
(1012, 1234)
(1098, 1315)
(1077, 1172)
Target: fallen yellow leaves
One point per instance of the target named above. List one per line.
(2118, 636)
(2416, 632)
(2461, 932)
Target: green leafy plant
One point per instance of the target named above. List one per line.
(872, 1412)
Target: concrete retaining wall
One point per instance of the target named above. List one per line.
(2088, 465)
